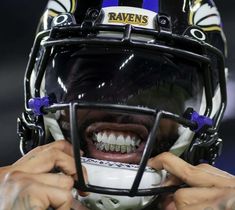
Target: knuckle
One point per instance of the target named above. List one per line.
(16, 180)
(13, 176)
(179, 194)
(179, 197)
(187, 173)
(61, 144)
(53, 153)
(203, 165)
(165, 155)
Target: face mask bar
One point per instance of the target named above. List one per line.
(193, 124)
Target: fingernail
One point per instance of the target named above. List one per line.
(83, 194)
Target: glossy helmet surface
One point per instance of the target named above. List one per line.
(158, 59)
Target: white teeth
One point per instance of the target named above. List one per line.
(128, 140)
(99, 137)
(102, 146)
(104, 138)
(128, 149)
(118, 148)
(112, 147)
(112, 139)
(106, 147)
(120, 140)
(119, 143)
(123, 149)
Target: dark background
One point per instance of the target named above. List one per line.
(18, 22)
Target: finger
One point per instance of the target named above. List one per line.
(211, 169)
(57, 180)
(25, 193)
(48, 159)
(171, 180)
(61, 145)
(203, 206)
(223, 205)
(166, 202)
(76, 205)
(43, 196)
(191, 175)
(85, 176)
(186, 197)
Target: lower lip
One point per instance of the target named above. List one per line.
(132, 158)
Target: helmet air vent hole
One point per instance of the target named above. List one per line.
(99, 203)
(107, 203)
(114, 201)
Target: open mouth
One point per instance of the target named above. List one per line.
(116, 142)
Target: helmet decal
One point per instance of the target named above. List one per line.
(56, 7)
(129, 18)
(205, 15)
(110, 3)
(152, 5)
(135, 16)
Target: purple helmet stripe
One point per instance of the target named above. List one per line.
(151, 5)
(109, 3)
(147, 4)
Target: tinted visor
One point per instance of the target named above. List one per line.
(126, 77)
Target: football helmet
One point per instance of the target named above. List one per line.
(124, 81)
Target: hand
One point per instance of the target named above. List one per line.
(210, 188)
(27, 184)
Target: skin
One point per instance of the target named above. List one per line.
(29, 185)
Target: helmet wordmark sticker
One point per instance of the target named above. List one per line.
(205, 16)
(128, 18)
(61, 6)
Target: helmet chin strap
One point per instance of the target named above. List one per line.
(52, 125)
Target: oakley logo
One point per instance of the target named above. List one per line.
(198, 34)
(63, 20)
(60, 19)
(128, 18)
